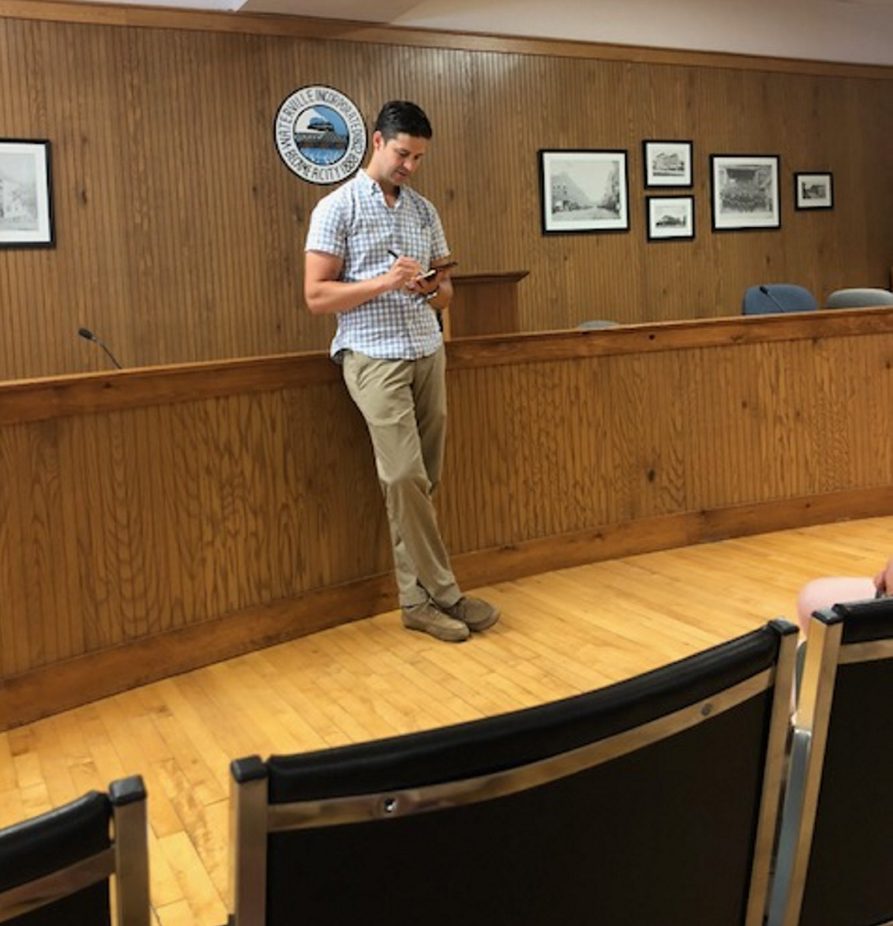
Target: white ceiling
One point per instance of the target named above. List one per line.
(859, 31)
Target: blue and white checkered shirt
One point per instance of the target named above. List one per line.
(356, 224)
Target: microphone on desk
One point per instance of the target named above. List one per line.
(88, 335)
(765, 291)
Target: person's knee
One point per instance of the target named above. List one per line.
(403, 477)
(820, 594)
(399, 459)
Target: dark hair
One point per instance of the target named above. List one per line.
(401, 116)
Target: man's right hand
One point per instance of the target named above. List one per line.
(402, 273)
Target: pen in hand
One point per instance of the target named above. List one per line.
(424, 277)
(427, 275)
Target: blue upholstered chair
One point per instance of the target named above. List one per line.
(55, 868)
(772, 298)
(859, 298)
(650, 801)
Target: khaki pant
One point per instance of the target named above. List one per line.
(404, 404)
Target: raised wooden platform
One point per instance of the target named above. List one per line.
(155, 520)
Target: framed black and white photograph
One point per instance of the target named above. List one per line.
(670, 218)
(813, 191)
(744, 191)
(26, 208)
(584, 191)
(667, 163)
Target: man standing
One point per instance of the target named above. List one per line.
(369, 246)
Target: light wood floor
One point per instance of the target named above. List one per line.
(562, 633)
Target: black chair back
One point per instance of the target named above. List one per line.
(55, 868)
(651, 801)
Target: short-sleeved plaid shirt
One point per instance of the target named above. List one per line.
(356, 224)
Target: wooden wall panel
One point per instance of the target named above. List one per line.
(221, 512)
(559, 448)
(180, 232)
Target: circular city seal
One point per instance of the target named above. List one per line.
(320, 135)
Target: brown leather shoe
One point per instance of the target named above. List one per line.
(429, 619)
(475, 613)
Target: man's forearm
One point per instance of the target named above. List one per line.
(325, 297)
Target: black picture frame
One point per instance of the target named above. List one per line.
(745, 192)
(814, 189)
(670, 218)
(668, 163)
(584, 191)
(26, 194)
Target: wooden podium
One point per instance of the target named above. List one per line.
(483, 303)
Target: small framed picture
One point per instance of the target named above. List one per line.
(670, 218)
(667, 163)
(744, 191)
(584, 191)
(26, 206)
(813, 191)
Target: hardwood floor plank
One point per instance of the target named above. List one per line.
(7, 770)
(54, 764)
(174, 914)
(206, 904)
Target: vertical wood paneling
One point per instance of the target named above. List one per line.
(124, 525)
(180, 232)
(12, 631)
(558, 448)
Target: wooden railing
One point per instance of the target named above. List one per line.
(154, 520)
